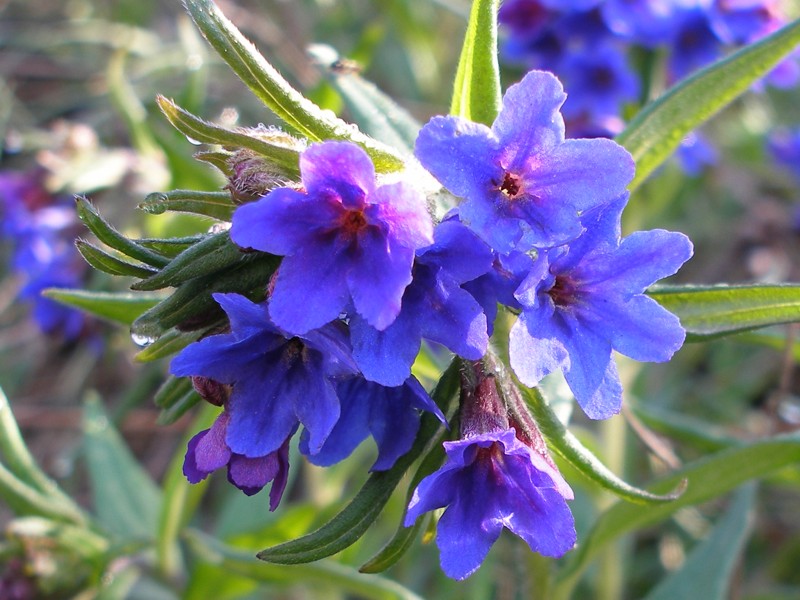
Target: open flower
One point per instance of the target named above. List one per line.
(492, 479)
(278, 380)
(344, 239)
(521, 177)
(586, 299)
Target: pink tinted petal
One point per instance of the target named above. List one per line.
(403, 209)
(341, 167)
(212, 452)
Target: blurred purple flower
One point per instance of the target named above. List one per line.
(784, 146)
(521, 177)
(278, 380)
(345, 240)
(696, 153)
(208, 451)
(586, 299)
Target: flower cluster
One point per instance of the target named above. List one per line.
(589, 43)
(366, 276)
(40, 229)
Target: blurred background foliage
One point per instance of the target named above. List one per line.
(78, 82)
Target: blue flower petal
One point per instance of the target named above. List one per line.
(536, 347)
(385, 356)
(341, 168)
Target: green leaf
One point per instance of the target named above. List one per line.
(375, 112)
(284, 157)
(193, 303)
(116, 307)
(178, 408)
(707, 312)
(694, 432)
(571, 449)
(351, 523)
(211, 255)
(113, 238)
(275, 92)
(658, 129)
(126, 500)
(325, 574)
(172, 390)
(170, 247)
(476, 91)
(708, 478)
(103, 261)
(708, 568)
(217, 205)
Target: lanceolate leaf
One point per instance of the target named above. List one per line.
(117, 307)
(707, 312)
(706, 572)
(113, 238)
(217, 205)
(657, 130)
(476, 92)
(103, 261)
(282, 157)
(568, 446)
(275, 92)
(708, 478)
(351, 523)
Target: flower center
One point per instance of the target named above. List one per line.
(353, 221)
(563, 291)
(511, 186)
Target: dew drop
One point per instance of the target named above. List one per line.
(193, 141)
(143, 341)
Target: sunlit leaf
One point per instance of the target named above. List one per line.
(707, 312)
(658, 129)
(118, 307)
(476, 91)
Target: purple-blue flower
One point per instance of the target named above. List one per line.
(278, 380)
(435, 307)
(521, 177)
(492, 480)
(389, 414)
(586, 299)
(208, 451)
(345, 239)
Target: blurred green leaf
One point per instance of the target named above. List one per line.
(688, 430)
(571, 449)
(284, 158)
(351, 523)
(181, 499)
(707, 570)
(118, 307)
(178, 408)
(217, 205)
(372, 110)
(708, 477)
(658, 129)
(476, 91)
(707, 312)
(126, 500)
(275, 92)
(327, 574)
(103, 261)
(113, 238)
